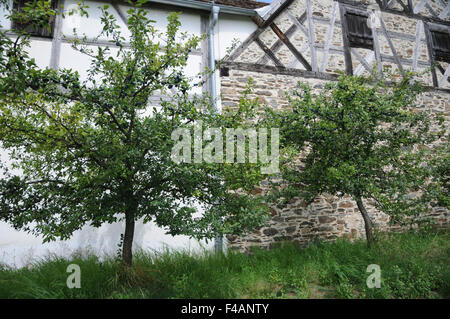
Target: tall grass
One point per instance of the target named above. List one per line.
(413, 265)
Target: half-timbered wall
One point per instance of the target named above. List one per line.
(310, 41)
(311, 38)
(290, 41)
(19, 248)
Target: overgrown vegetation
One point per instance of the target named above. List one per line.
(367, 140)
(413, 265)
(96, 150)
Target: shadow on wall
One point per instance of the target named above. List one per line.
(20, 249)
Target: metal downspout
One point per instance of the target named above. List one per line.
(212, 56)
(218, 242)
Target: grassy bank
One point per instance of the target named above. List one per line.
(412, 265)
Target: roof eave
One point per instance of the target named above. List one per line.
(193, 4)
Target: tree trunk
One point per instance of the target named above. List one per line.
(367, 222)
(127, 247)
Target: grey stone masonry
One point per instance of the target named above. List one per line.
(313, 29)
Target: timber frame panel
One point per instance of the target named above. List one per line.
(312, 67)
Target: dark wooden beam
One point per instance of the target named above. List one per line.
(410, 7)
(431, 54)
(277, 70)
(268, 52)
(236, 53)
(262, 25)
(278, 44)
(274, 15)
(290, 46)
(404, 6)
(347, 49)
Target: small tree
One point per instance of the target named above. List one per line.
(91, 151)
(362, 139)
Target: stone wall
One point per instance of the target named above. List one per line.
(402, 31)
(328, 217)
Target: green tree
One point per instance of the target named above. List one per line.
(366, 140)
(92, 151)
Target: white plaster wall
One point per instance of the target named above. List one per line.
(90, 26)
(229, 28)
(19, 248)
(4, 22)
(41, 51)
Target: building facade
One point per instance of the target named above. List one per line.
(53, 49)
(281, 43)
(310, 41)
